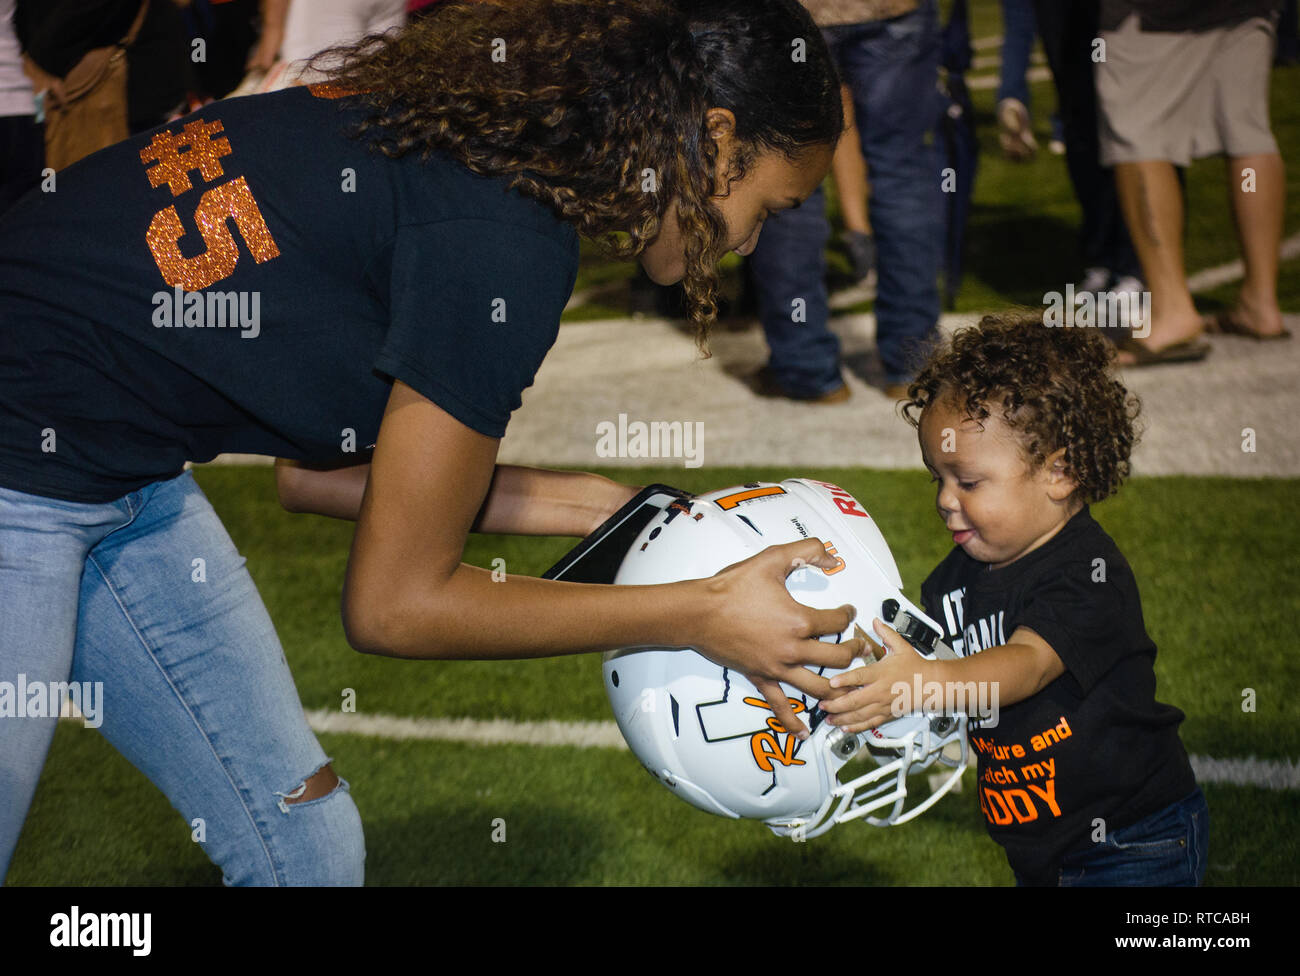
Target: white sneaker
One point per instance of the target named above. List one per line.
(1094, 280)
(1129, 303)
(1015, 134)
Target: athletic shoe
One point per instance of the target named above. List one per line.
(1056, 145)
(1128, 288)
(862, 252)
(1015, 134)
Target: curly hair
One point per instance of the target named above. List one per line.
(581, 103)
(1052, 386)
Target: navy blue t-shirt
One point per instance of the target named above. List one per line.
(248, 279)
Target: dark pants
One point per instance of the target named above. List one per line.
(1068, 28)
(22, 154)
(891, 67)
(1017, 45)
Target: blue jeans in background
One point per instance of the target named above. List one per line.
(148, 598)
(891, 67)
(1019, 31)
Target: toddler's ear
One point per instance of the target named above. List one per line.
(1061, 480)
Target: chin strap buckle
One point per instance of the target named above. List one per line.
(917, 632)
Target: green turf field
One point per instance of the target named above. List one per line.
(1218, 574)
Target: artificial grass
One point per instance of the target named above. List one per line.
(1218, 572)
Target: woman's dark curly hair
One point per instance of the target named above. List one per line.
(1053, 386)
(585, 96)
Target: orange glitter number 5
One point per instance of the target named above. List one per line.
(219, 204)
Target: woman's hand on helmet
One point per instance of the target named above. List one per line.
(757, 628)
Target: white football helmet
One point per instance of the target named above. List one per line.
(706, 733)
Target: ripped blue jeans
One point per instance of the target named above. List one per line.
(145, 606)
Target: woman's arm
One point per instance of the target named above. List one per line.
(520, 501)
(407, 593)
(335, 492)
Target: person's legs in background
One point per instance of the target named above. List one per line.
(1068, 29)
(850, 172)
(789, 275)
(892, 66)
(1015, 131)
(1257, 185)
(22, 156)
(1152, 201)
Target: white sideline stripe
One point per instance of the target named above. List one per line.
(986, 62)
(586, 735)
(985, 82)
(1270, 774)
(1273, 774)
(1223, 274)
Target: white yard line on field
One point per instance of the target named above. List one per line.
(1270, 774)
(1274, 774)
(984, 82)
(586, 735)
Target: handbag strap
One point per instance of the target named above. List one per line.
(136, 24)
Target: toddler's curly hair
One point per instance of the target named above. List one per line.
(1052, 386)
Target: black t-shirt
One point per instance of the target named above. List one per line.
(1093, 744)
(309, 269)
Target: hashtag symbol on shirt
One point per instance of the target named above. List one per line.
(176, 155)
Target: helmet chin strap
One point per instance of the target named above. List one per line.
(866, 794)
(916, 632)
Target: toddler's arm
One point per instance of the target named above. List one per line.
(884, 689)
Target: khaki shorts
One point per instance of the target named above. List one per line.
(1183, 96)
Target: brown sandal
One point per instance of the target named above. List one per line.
(1187, 351)
(1224, 323)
